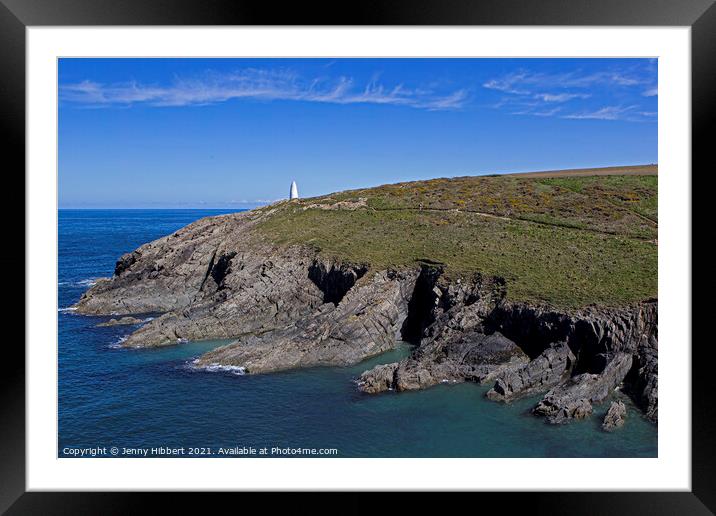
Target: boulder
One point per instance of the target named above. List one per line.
(615, 416)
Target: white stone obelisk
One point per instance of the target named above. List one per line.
(294, 190)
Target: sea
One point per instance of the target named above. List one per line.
(134, 403)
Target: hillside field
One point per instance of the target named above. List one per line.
(567, 239)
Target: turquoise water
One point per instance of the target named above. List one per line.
(153, 398)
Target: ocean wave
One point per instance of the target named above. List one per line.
(117, 344)
(67, 309)
(216, 368)
(80, 283)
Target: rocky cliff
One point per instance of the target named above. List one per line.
(289, 305)
(286, 307)
(577, 357)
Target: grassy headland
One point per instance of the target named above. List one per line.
(565, 240)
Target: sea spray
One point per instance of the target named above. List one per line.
(89, 282)
(117, 344)
(217, 368)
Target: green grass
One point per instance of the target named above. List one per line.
(635, 193)
(564, 242)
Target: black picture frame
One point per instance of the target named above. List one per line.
(17, 15)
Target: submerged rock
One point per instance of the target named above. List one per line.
(615, 416)
(121, 321)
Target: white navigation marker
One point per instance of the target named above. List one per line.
(294, 190)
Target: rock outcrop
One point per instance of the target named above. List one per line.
(578, 357)
(548, 369)
(366, 322)
(454, 346)
(122, 321)
(211, 280)
(614, 417)
(574, 398)
(289, 307)
(643, 380)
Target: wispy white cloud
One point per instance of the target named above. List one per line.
(607, 113)
(532, 93)
(549, 112)
(535, 112)
(560, 97)
(508, 83)
(258, 84)
(524, 82)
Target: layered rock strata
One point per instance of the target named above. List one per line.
(578, 358)
(291, 307)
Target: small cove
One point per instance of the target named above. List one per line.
(150, 398)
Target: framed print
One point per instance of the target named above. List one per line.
(428, 248)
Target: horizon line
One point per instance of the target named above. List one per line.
(584, 172)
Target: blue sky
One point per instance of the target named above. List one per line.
(200, 133)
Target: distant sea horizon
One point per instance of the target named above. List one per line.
(160, 208)
(249, 205)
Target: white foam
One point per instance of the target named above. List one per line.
(218, 368)
(118, 343)
(67, 309)
(81, 283)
